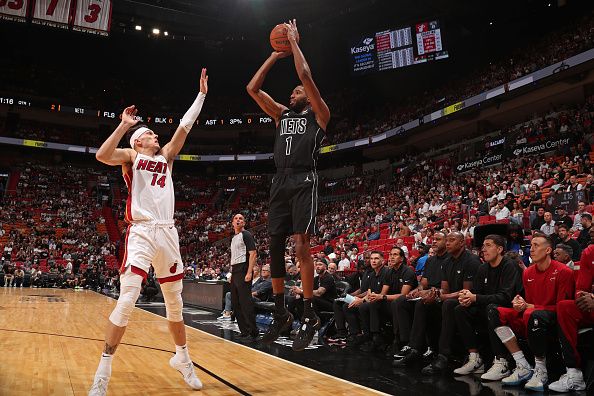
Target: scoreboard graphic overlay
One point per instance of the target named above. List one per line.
(393, 49)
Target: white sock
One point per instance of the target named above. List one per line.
(181, 353)
(104, 369)
(474, 355)
(520, 359)
(540, 363)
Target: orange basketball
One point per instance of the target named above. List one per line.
(279, 40)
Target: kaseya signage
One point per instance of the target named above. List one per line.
(541, 147)
(486, 161)
(527, 149)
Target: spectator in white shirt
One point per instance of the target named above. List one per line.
(344, 263)
(503, 193)
(548, 227)
(68, 267)
(500, 211)
(577, 220)
(402, 246)
(537, 179)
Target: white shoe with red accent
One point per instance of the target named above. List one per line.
(187, 371)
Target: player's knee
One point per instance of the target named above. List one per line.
(121, 314)
(173, 300)
(129, 292)
(505, 333)
(301, 249)
(540, 320)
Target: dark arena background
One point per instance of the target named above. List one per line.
(450, 121)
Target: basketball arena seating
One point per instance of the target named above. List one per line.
(52, 213)
(204, 208)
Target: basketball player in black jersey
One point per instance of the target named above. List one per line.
(300, 129)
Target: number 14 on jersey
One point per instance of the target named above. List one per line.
(160, 181)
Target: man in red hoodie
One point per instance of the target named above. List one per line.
(546, 282)
(571, 315)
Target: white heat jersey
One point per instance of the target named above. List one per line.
(150, 190)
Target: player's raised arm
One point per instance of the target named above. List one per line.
(108, 153)
(266, 103)
(304, 73)
(172, 149)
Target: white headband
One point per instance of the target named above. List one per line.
(138, 133)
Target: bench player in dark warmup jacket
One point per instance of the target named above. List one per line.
(300, 129)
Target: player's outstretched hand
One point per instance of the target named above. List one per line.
(292, 32)
(129, 116)
(203, 81)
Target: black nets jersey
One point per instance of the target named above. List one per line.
(298, 140)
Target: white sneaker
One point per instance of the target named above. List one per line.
(473, 365)
(224, 317)
(520, 375)
(538, 381)
(99, 387)
(498, 371)
(569, 382)
(187, 371)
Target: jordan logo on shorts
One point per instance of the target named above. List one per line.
(173, 268)
(307, 178)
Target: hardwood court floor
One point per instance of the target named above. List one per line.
(51, 340)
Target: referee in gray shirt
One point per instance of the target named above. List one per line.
(243, 259)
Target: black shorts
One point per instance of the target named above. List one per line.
(293, 204)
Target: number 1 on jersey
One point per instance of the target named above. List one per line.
(288, 150)
(160, 182)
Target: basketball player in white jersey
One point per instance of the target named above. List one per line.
(151, 237)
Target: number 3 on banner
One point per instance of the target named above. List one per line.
(94, 10)
(13, 5)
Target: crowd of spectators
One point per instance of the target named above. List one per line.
(52, 225)
(422, 195)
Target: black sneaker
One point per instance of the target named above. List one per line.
(403, 352)
(280, 324)
(437, 366)
(306, 332)
(248, 339)
(407, 360)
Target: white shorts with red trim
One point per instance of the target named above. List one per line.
(155, 244)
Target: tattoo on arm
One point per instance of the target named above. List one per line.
(109, 349)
